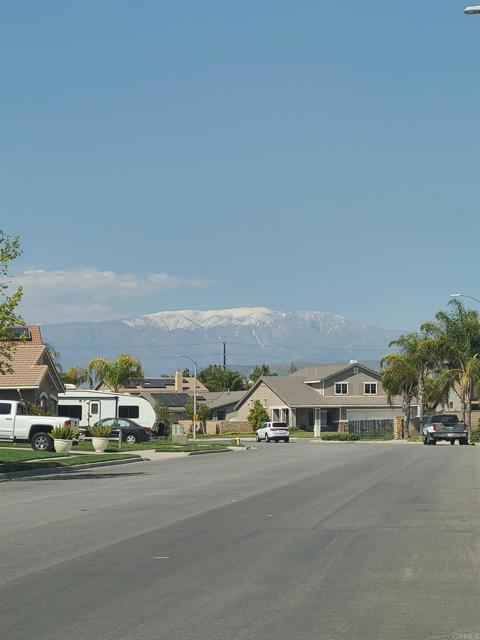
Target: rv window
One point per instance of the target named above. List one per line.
(129, 411)
(70, 411)
(94, 408)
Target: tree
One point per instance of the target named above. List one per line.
(215, 378)
(77, 376)
(186, 372)
(9, 250)
(455, 339)
(420, 354)
(259, 371)
(116, 373)
(203, 412)
(400, 378)
(257, 415)
(293, 368)
(163, 413)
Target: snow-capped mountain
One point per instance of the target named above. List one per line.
(253, 335)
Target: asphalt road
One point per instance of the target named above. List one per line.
(300, 541)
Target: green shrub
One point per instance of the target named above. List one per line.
(475, 435)
(99, 431)
(343, 437)
(64, 433)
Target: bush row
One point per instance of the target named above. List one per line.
(334, 435)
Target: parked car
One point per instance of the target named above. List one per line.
(131, 431)
(444, 426)
(275, 431)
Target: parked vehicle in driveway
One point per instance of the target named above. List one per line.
(17, 425)
(273, 431)
(444, 426)
(90, 406)
(131, 431)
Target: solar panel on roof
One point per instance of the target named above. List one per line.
(171, 399)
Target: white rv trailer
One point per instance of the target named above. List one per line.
(91, 406)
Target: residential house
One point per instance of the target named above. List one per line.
(221, 403)
(35, 378)
(160, 384)
(322, 398)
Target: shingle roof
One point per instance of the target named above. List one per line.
(326, 370)
(217, 399)
(27, 373)
(293, 391)
(296, 393)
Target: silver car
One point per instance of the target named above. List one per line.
(275, 431)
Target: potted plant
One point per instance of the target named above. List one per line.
(63, 438)
(99, 434)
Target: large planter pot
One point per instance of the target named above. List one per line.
(62, 446)
(100, 444)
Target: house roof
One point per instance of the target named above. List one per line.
(324, 371)
(291, 389)
(27, 372)
(294, 392)
(171, 400)
(217, 399)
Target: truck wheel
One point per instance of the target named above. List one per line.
(433, 442)
(425, 441)
(463, 441)
(452, 441)
(42, 442)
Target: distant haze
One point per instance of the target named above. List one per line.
(253, 335)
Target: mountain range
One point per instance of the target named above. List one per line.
(252, 335)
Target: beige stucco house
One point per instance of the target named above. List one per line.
(34, 378)
(323, 397)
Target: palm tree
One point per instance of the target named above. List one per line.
(400, 378)
(417, 348)
(455, 339)
(116, 373)
(76, 376)
(215, 378)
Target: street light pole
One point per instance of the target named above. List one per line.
(194, 392)
(464, 295)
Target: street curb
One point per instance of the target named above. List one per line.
(13, 475)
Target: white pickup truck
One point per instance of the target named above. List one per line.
(16, 425)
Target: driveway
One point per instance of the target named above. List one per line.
(293, 541)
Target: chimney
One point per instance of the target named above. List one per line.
(178, 381)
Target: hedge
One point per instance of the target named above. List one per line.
(335, 435)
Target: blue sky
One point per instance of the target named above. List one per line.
(207, 154)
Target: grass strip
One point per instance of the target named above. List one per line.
(9, 466)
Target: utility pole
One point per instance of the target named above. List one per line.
(224, 355)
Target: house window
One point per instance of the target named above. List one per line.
(221, 415)
(129, 411)
(355, 370)
(265, 403)
(341, 388)
(370, 388)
